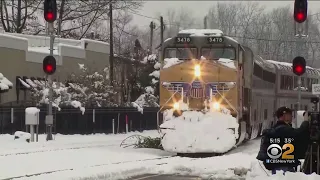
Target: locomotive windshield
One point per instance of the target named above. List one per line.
(181, 53)
(217, 53)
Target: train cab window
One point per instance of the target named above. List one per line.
(217, 53)
(181, 53)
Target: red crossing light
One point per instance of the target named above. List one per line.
(49, 16)
(298, 69)
(49, 68)
(299, 66)
(300, 10)
(49, 65)
(50, 10)
(300, 16)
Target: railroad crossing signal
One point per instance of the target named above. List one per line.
(299, 65)
(50, 10)
(300, 10)
(49, 65)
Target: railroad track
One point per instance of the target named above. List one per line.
(97, 165)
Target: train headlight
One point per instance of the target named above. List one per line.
(197, 70)
(176, 106)
(216, 106)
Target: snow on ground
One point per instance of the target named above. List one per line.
(195, 131)
(112, 162)
(65, 152)
(63, 142)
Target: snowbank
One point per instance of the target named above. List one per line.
(22, 136)
(195, 131)
(258, 172)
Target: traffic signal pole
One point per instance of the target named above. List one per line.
(49, 117)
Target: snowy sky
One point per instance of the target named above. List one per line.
(152, 8)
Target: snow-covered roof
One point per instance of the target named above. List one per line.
(38, 46)
(202, 32)
(288, 67)
(5, 84)
(33, 83)
(265, 64)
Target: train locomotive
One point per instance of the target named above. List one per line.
(216, 71)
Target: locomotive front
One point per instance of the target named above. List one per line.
(199, 73)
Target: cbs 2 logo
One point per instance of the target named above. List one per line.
(276, 151)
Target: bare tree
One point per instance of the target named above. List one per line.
(79, 16)
(16, 13)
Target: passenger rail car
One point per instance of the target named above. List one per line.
(217, 72)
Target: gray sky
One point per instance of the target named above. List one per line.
(200, 8)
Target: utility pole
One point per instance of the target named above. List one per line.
(152, 27)
(161, 41)
(111, 43)
(205, 22)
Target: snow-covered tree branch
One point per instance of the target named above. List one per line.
(86, 89)
(150, 96)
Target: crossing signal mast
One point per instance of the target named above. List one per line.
(300, 16)
(49, 62)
